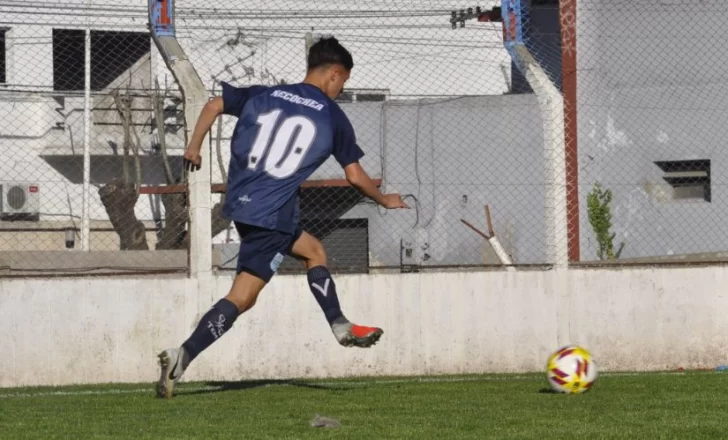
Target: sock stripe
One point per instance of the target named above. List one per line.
(318, 273)
(324, 290)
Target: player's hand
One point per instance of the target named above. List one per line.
(393, 201)
(192, 160)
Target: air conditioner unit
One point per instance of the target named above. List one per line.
(21, 201)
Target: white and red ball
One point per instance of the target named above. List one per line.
(571, 370)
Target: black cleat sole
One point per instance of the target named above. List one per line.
(368, 341)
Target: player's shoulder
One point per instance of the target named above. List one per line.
(249, 89)
(337, 114)
(333, 108)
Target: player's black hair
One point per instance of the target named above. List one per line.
(327, 51)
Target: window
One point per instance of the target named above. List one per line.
(3, 57)
(363, 95)
(690, 179)
(112, 54)
(375, 97)
(345, 97)
(68, 59)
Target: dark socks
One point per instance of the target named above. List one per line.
(212, 326)
(324, 290)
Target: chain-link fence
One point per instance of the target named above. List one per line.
(433, 108)
(487, 117)
(88, 135)
(651, 107)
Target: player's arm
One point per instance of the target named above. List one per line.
(347, 153)
(231, 102)
(210, 111)
(359, 179)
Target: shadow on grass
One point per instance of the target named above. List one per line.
(546, 390)
(221, 386)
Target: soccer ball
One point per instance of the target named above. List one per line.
(571, 370)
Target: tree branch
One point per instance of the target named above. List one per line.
(158, 106)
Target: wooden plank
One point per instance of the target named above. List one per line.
(219, 188)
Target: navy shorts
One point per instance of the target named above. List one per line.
(262, 250)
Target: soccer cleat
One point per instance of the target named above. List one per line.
(171, 363)
(365, 336)
(349, 334)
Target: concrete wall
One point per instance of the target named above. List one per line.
(109, 330)
(455, 156)
(653, 83)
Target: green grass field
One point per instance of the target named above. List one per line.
(637, 406)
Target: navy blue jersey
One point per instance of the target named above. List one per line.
(283, 134)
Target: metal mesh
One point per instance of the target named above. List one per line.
(651, 105)
(579, 125)
(432, 107)
(442, 113)
(82, 145)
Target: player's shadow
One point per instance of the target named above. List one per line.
(547, 390)
(221, 386)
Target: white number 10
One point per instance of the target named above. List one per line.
(288, 147)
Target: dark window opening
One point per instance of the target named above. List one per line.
(377, 97)
(3, 56)
(112, 54)
(346, 242)
(689, 179)
(363, 95)
(345, 97)
(68, 59)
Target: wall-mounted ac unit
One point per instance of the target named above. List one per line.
(20, 201)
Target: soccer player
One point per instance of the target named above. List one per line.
(283, 134)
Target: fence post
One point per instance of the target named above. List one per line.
(86, 199)
(551, 104)
(195, 97)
